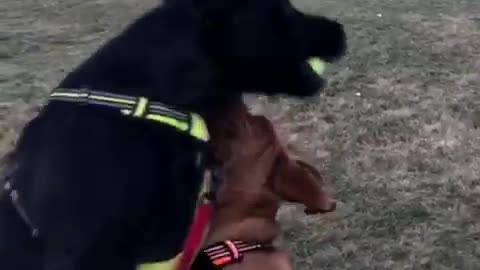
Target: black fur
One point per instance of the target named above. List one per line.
(107, 191)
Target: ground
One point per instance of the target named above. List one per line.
(397, 132)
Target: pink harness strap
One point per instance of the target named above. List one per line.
(200, 224)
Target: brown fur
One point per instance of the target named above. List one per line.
(259, 175)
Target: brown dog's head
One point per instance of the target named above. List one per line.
(250, 150)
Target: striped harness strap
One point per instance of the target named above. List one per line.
(230, 252)
(138, 107)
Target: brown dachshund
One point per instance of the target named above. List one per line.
(258, 175)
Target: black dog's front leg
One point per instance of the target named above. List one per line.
(97, 241)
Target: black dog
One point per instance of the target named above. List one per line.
(102, 190)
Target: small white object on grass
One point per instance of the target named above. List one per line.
(358, 94)
(379, 15)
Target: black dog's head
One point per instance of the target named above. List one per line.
(263, 45)
(188, 52)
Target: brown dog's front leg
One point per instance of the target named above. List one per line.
(299, 182)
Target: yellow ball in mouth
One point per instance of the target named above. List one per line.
(317, 64)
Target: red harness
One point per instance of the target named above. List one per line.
(196, 235)
(200, 224)
(219, 254)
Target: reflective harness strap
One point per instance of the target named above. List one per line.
(230, 252)
(192, 123)
(138, 107)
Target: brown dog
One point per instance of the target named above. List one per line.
(258, 174)
(291, 179)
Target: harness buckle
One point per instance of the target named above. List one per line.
(141, 107)
(84, 95)
(15, 200)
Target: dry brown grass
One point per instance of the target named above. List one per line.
(398, 130)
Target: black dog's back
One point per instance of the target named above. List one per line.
(92, 180)
(104, 189)
(159, 56)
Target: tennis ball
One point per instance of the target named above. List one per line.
(318, 65)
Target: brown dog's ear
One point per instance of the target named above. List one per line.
(299, 182)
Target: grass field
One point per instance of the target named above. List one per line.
(397, 131)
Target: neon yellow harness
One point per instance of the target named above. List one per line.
(139, 107)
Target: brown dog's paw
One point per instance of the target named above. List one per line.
(323, 202)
